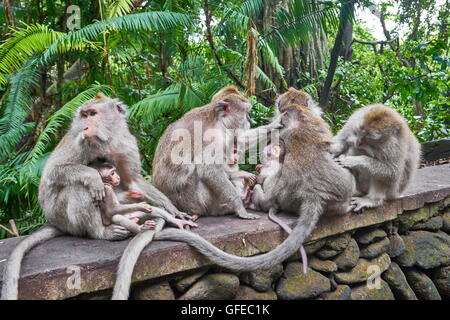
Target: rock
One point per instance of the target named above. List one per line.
(362, 292)
(425, 249)
(296, 285)
(369, 236)
(397, 281)
(423, 287)
(217, 286)
(432, 224)
(262, 280)
(363, 270)
(247, 293)
(441, 279)
(375, 249)
(342, 292)
(349, 258)
(338, 242)
(446, 222)
(314, 246)
(326, 253)
(184, 284)
(322, 265)
(435, 150)
(409, 218)
(397, 246)
(159, 291)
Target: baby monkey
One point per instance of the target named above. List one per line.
(129, 215)
(243, 181)
(271, 162)
(125, 215)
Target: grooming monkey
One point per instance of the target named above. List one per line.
(294, 96)
(380, 150)
(204, 188)
(69, 190)
(310, 183)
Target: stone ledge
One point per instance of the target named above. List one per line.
(44, 272)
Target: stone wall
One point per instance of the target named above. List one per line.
(412, 254)
(406, 240)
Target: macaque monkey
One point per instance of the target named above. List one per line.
(120, 214)
(294, 96)
(128, 215)
(271, 161)
(70, 190)
(309, 183)
(380, 150)
(199, 187)
(243, 181)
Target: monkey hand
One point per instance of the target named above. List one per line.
(134, 194)
(247, 216)
(181, 215)
(148, 225)
(145, 207)
(335, 149)
(348, 162)
(258, 167)
(276, 123)
(96, 188)
(250, 178)
(181, 224)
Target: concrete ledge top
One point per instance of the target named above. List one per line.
(45, 269)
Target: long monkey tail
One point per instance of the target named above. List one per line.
(10, 288)
(129, 258)
(309, 215)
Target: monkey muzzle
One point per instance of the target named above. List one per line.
(89, 134)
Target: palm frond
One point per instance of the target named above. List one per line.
(22, 44)
(116, 8)
(145, 21)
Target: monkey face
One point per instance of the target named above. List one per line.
(98, 119)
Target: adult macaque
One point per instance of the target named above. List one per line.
(195, 185)
(69, 190)
(294, 96)
(381, 151)
(310, 183)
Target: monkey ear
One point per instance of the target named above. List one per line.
(122, 109)
(222, 107)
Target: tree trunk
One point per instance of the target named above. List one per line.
(345, 15)
(9, 14)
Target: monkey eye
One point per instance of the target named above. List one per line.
(83, 114)
(92, 113)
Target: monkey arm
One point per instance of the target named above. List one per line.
(376, 168)
(153, 195)
(217, 180)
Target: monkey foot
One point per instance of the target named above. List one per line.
(116, 232)
(359, 204)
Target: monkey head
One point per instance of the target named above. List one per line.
(231, 108)
(274, 151)
(377, 127)
(98, 119)
(109, 175)
(294, 96)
